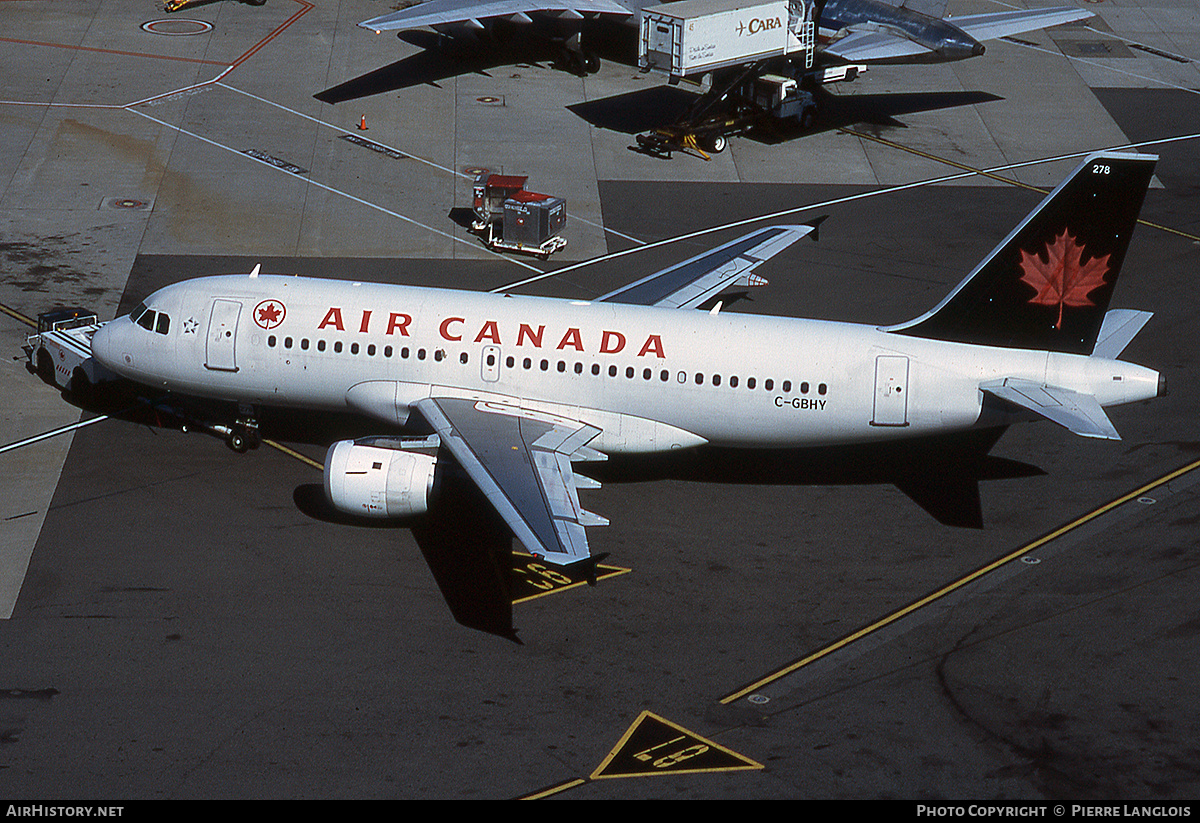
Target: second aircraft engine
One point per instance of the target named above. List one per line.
(381, 477)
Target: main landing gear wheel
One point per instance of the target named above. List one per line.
(579, 63)
(241, 440)
(715, 144)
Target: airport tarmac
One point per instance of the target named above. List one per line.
(177, 628)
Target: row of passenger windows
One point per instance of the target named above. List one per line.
(354, 348)
(664, 375)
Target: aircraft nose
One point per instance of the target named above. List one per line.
(106, 345)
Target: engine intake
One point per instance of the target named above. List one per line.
(382, 477)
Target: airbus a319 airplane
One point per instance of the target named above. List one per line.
(510, 392)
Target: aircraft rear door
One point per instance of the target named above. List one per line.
(891, 391)
(220, 352)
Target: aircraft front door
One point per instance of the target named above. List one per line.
(491, 364)
(222, 335)
(891, 391)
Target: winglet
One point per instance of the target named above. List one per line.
(815, 223)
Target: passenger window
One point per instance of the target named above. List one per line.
(733, 381)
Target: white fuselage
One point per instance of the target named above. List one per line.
(650, 379)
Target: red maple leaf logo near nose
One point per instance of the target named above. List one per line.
(269, 313)
(1061, 278)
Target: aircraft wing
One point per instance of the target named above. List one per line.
(521, 461)
(688, 284)
(864, 45)
(1006, 23)
(445, 12)
(869, 42)
(1080, 413)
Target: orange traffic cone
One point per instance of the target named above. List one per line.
(362, 124)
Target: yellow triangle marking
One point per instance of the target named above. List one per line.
(533, 578)
(656, 746)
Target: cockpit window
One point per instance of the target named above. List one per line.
(155, 321)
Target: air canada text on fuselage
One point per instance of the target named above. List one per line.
(495, 332)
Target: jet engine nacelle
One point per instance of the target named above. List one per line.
(381, 477)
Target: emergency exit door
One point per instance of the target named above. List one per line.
(221, 353)
(891, 391)
(491, 364)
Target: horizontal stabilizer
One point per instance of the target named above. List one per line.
(1120, 326)
(1080, 413)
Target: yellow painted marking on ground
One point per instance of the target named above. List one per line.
(963, 167)
(17, 315)
(295, 454)
(958, 584)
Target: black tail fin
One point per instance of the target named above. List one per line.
(1047, 286)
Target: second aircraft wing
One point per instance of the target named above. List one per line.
(688, 284)
(447, 12)
(868, 42)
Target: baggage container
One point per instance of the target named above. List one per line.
(531, 219)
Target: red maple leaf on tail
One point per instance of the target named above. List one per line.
(1062, 278)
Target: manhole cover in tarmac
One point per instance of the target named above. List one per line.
(177, 28)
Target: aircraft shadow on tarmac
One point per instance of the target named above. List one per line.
(633, 112)
(940, 473)
(441, 59)
(639, 111)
